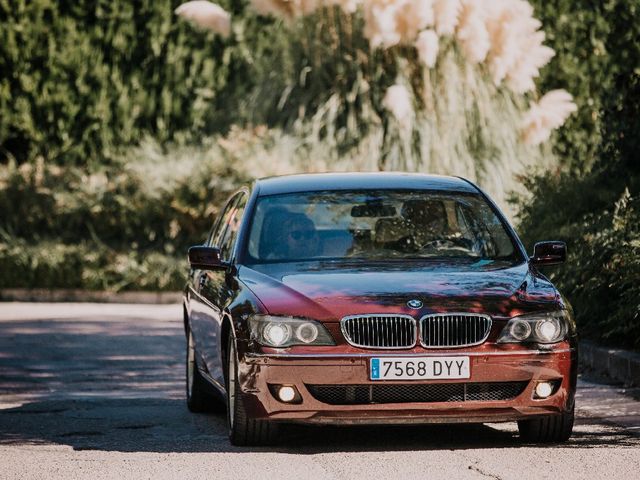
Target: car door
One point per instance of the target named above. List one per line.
(215, 290)
(198, 309)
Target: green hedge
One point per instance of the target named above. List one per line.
(122, 228)
(597, 210)
(87, 265)
(82, 78)
(579, 32)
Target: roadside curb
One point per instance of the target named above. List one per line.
(71, 295)
(616, 364)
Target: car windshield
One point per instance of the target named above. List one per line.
(376, 225)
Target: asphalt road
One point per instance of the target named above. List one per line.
(96, 391)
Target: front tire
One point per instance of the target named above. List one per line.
(243, 430)
(549, 429)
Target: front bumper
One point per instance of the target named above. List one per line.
(259, 370)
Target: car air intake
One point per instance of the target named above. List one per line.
(380, 331)
(454, 330)
(419, 393)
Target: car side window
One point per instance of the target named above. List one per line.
(230, 234)
(221, 222)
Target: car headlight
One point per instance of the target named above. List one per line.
(549, 327)
(279, 332)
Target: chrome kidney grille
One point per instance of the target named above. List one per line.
(380, 331)
(446, 330)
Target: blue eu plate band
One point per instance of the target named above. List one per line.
(375, 368)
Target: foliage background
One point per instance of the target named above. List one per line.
(83, 78)
(85, 203)
(593, 204)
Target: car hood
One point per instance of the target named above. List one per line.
(329, 293)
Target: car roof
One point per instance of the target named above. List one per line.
(314, 182)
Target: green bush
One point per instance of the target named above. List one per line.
(111, 207)
(597, 211)
(602, 275)
(81, 79)
(127, 226)
(87, 265)
(579, 32)
(123, 228)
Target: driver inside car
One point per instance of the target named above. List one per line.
(427, 221)
(421, 225)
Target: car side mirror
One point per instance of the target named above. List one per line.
(205, 258)
(549, 253)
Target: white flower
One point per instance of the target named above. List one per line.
(506, 27)
(550, 112)
(277, 8)
(502, 34)
(412, 16)
(427, 46)
(289, 9)
(472, 31)
(534, 56)
(392, 22)
(445, 13)
(307, 7)
(380, 23)
(517, 52)
(347, 6)
(397, 100)
(207, 15)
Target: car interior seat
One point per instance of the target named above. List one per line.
(271, 235)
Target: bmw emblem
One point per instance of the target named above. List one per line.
(415, 304)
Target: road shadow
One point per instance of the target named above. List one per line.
(116, 383)
(166, 426)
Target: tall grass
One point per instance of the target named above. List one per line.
(324, 108)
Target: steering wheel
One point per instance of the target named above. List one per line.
(448, 242)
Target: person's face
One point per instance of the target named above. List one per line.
(428, 220)
(434, 225)
(301, 240)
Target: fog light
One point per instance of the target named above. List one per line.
(544, 389)
(286, 393)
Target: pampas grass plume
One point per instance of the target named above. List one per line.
(445, 13)
(472, 31)
(347, 6)
(427, 46)
(397, 100)
(276, 8)
(550, 112)
(206, 15)
(411, 16)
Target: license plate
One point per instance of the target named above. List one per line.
(419, 368)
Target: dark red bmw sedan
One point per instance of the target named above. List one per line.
(375, 299)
